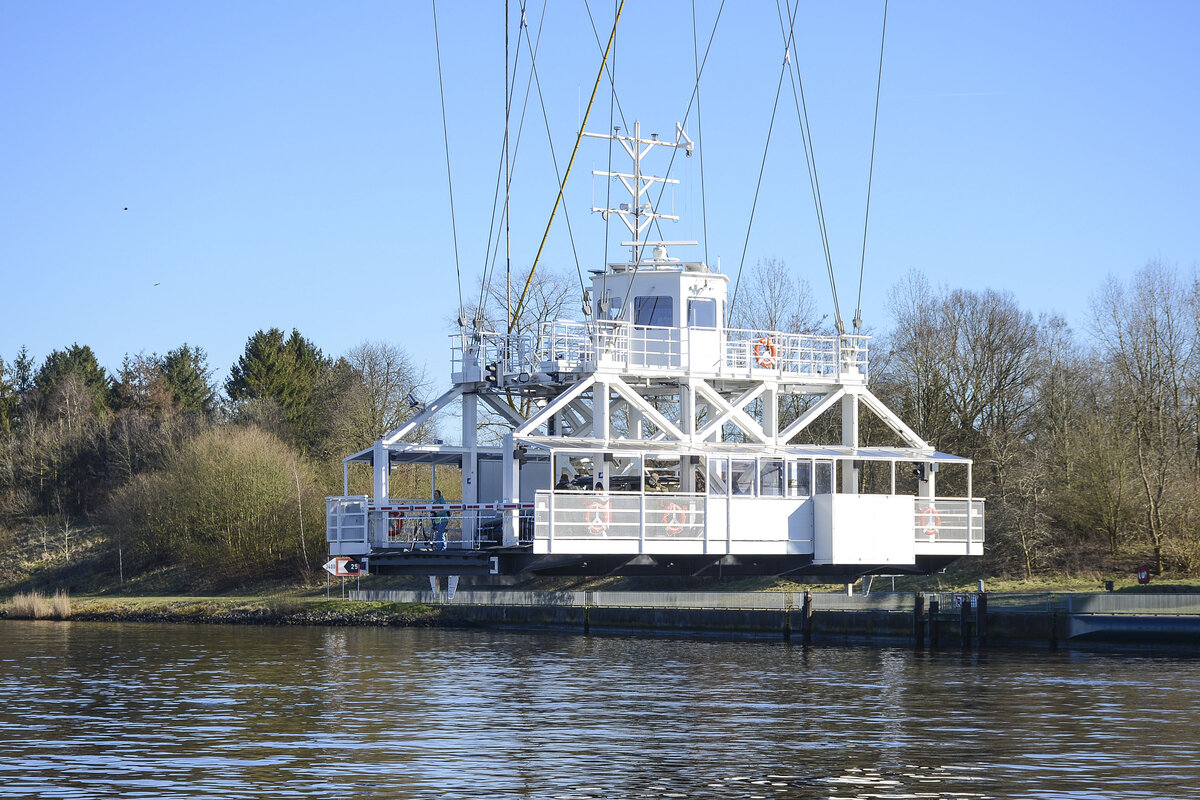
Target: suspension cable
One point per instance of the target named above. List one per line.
(754, 205)
(858, 321)
(508, 180)
(675, 150)
(602, 302)
(492, 252)
(789, 33)
(687, 112)
(563, 185)
(554, 159)
(699, 131)
(446, 138)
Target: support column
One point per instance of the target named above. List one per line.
(687, 410)
(511, 490)
(770, 415)
(470, 478)
(382, 470)
(850, 439)
(601, 424)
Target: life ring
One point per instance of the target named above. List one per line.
(765, 352)
(599, 515)
(931, 520)
(674, 517)
(395, 525)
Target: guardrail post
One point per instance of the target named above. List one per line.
(919, 621)
(933, 622)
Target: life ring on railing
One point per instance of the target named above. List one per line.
(765, 352)
(395, 525)
(931, 520)
(674, 517)
(599, 516)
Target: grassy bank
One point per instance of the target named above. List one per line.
(278, 609)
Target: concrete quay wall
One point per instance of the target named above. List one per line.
(974, 620)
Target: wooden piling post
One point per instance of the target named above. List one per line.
(964, 621)
(919, 621)
(934, 607)
(981, 619)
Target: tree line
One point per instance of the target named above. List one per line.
(1086, 444)
(181, 472)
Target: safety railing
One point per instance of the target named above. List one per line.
(569, 346)
(948, 519)
(346, 519)
(618, 515)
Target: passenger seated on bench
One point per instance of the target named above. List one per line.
(564, 482)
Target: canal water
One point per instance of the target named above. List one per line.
(160, 711)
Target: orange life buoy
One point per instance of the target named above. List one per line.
(930, 521)
(599, 515)
(674, 517)
(765, 352)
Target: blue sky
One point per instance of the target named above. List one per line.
(282, 162)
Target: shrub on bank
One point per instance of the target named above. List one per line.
(229, 505)
(35, 605)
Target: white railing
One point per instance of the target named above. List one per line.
(618, 515)
(948, 519)
(567, 346)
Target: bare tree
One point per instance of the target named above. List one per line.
(1147, 337)
(773, 298)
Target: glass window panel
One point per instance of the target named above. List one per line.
(770, 477)
(718, 477)
(799, 478)
(824, 477)
(742, 474)
(654, 311)
(702, 312)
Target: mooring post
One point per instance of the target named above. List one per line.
(964, 621)
(981, 619)
(934, 606)
(587, 608)
(807, 617)
(919, 620)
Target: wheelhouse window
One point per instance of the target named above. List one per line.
(824, 482)
(702, 312)
(653, 311)
(718, 477)
(799, 478)
(742, 474)
(610, 307)
(770, 477)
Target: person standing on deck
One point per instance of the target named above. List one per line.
(441, 518)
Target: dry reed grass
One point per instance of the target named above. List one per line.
(35, 605)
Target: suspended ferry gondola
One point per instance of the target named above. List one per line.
(657, 440)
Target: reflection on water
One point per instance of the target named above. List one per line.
(95, 710)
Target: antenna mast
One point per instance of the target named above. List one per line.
(638, 214)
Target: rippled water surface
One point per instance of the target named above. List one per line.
(96, 710)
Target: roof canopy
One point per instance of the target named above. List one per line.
(732, 449)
